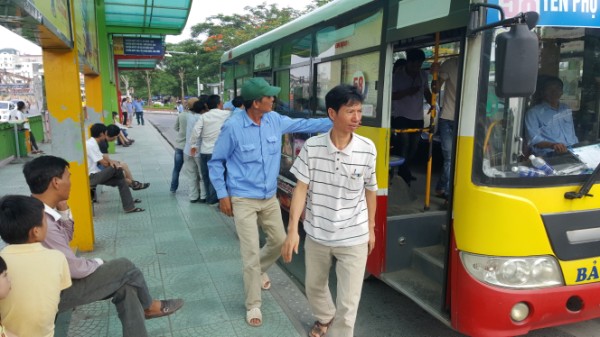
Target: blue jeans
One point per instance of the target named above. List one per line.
(176, 169)
(211, 194)
(446, 128)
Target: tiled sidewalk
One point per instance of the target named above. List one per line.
(185, 250)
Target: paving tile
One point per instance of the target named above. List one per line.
(222, 329)
(198, 313)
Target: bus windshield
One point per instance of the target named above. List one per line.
(551, 137)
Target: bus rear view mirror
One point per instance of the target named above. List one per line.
(517, 56)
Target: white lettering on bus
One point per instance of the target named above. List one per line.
(514, 7)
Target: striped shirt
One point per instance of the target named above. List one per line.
(336, 208)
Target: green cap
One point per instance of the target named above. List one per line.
(256, 88)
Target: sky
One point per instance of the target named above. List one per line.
(201, 9)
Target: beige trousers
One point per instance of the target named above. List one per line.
(350, 271)
(248, 214)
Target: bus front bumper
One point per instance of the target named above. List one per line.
(479, 309)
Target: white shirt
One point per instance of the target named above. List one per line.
(208, 128)
(93, 155)
(449, 73)
(336, 208)
(17, 115)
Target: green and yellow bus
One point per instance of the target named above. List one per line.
(513, 249)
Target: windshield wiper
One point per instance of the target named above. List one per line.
(586, 187)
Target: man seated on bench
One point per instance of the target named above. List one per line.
(111, 134)
(93, 280)
(112, 174)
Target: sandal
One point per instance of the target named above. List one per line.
(135, 210)
(252, 314)
(137, 201)
(136, 185)
(266, 281)
(319, 329)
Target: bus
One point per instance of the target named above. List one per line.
(513, 248)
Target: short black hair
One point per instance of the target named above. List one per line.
(341, 95)
(18, 215)
(40, 171)
(199, 106)
(3, 266)
(415, 55)
(237, 101)
(97, 130)
(213, 101)
(113, 130)
(20, 105)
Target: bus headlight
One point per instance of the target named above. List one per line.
(513, 272)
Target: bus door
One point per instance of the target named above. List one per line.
(417, 236)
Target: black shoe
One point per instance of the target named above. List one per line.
(195, 201)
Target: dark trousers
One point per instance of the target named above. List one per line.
(139, 115)
(178, 164)
(211, 194)
(120, 280)
(114, 177)
(124, 117)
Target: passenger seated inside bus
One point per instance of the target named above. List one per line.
(549, 123)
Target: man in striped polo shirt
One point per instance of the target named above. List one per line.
(337, 172)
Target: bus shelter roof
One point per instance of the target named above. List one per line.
(166, 17)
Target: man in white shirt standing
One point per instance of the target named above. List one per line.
(337, 171)
(208, 128)
(112, 174)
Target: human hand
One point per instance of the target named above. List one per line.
(559, 148)
(371, 239)
(62, 205)
(193, 151)
(225, 206)
(290, 245)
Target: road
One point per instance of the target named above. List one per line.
(383, 311)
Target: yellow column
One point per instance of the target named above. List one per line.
(61, 69)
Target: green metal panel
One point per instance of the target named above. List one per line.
(327, 12)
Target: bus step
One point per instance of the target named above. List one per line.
(430, 262)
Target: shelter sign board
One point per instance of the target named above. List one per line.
(56, 12)
(138, 46)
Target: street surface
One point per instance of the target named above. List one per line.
(383, 311)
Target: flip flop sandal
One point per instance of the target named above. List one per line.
(135, 210)
(319, 329)
(265, 281)
(254, 313)
(136, 185)
(137, 201)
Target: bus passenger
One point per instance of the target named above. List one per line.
(448, 75)
(409, 87)
(249, 149)
(549, 123)
(337, 170)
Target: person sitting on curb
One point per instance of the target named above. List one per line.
(93, 280)
(112, 174)
(38, 274)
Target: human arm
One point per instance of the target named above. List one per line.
(59, 234)
(535, 122)
(297, 206)
(196, 134)
(371, 198)
(222, 151)
(177, 125)
(303, 125)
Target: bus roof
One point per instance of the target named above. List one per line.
(327, 12)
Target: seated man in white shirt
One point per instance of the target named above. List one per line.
(112, 174)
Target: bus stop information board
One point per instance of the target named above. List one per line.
(138, 46)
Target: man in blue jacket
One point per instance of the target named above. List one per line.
(249, 150)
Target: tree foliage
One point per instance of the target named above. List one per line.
(200, 56)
